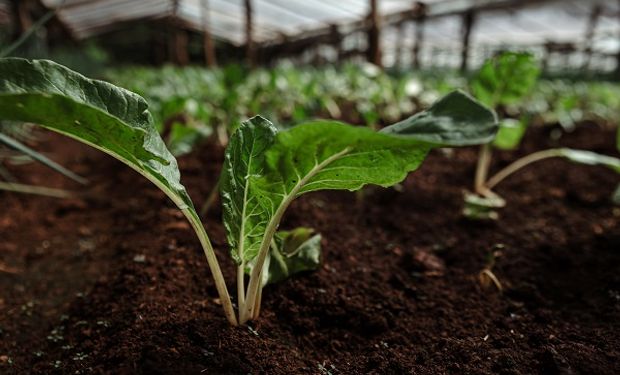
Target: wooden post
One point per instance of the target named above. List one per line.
(419, 14)
(181, 44)
(618, 54)
(374, 47)
(418, 41)
(178, 38)
(336, 40)
(21, 17)
(400, 41)
(546, 57)
(250, 53)
(208, 46)
(468, 22)
(591, 28)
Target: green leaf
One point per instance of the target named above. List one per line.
(590, 158)
(323, 155)
(97, 113)
(244, 159)
(510, 133)
(455, 120)
(292, 252)
(505, 78)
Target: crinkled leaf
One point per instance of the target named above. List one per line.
(330, 155)
(97, 113)
(505, 78)
(244, 219)
(455, 120)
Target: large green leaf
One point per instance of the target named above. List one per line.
(102, 115)
(108, 118)
(505, 78)
(330, 155)
(244, 159)
(455, 120)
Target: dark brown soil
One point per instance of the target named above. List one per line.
(115, 281)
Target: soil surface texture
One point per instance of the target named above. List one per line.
(114, 280)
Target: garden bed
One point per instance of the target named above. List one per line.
(115, 280)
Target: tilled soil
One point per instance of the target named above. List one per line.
(114, 281)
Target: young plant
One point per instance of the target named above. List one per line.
(495, 85)
(503, 80)
(108, 118)
(264, 171)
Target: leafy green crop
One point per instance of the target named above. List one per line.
(504, 80)
(105, 117)
(265, 168)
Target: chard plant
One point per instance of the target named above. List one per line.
(502, 80)
(265, 168)
(505, 80)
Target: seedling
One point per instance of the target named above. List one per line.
(265, 169)
(504, 80)
(487, 276)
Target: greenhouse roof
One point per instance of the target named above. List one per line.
(531, 24)
(502, 22)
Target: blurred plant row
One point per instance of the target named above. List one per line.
(192, 103)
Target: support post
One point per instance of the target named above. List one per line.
(419, 15)
(468, 22)
(181, 42)
(336, 40)
(208, 45)
(590, 30)
(400, 41)
(21, 17)
(617, 72)
(178, 38)
(374, 29)
(250, 53)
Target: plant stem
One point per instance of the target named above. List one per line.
(270, 231)
(35, 190)
(218, 277)
(482, 169)
(520, 163)
(241, 286)
(259, 299)
(255, 279)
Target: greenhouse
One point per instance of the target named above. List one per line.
(310, 187)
